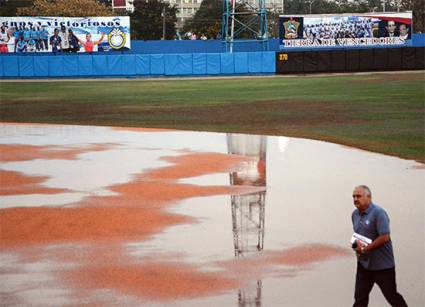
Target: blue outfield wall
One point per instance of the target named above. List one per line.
(197, 46)
(157, 58)
(218, 46)
(133, 65)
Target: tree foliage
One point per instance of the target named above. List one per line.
(418, 8)
(10, 7)
(66, 8)
(207, 20)
(147, 20)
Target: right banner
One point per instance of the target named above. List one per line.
(345, 30)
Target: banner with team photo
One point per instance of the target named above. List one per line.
(37, 34)
(369, 29)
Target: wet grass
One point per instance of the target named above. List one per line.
(382, 112)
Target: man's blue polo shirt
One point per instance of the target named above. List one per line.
(373, 223)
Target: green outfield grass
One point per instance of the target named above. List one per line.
(379, 112)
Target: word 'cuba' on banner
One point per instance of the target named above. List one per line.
(345, 30)
(64, 34)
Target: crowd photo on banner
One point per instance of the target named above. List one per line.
(57, 35)
(346, 30)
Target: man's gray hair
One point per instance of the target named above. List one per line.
(366, 189)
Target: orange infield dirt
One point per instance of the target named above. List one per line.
(135, 213)
(167, 280)
(11, 153)
(154, 280)
(14, 183)
(297, 258)
(196, 164)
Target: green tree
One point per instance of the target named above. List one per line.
(106, 2)
(418, 8)
(148, 17)
(66, 8)
(207, 20)
(10, 7)
(317, 6)
(273, 23)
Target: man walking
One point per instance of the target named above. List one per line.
(375, 261)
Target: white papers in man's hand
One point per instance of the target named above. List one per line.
(365, 240)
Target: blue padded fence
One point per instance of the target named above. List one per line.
(127, 65)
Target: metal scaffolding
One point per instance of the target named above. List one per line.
(245, 21)
(248, 223)
(248, 210)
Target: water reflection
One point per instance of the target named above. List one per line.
(298, 170)
(248, 211)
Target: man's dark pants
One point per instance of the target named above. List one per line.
(385, 280)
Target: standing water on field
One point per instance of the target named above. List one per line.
(130, 217)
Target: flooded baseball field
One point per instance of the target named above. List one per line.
(149, 217)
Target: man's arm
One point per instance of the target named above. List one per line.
(377, 243)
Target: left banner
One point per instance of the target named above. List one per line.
(64, 34)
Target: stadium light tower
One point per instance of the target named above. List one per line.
(244, 21)
(398, 5)
(383, 2)
(310, 3)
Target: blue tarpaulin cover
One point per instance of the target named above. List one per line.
(213, 64)
(185, 64)
(115, 65)
(227, 64)
(56, 66)
(143, 64)
(128, 65)
(11, 66)
(199, 64)
(157, 64)
(26, 66)
(70, 66)
(241, 62)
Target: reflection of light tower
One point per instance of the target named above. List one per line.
(254, 147)
(248, 223)
(248, 210)
(254, 299)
